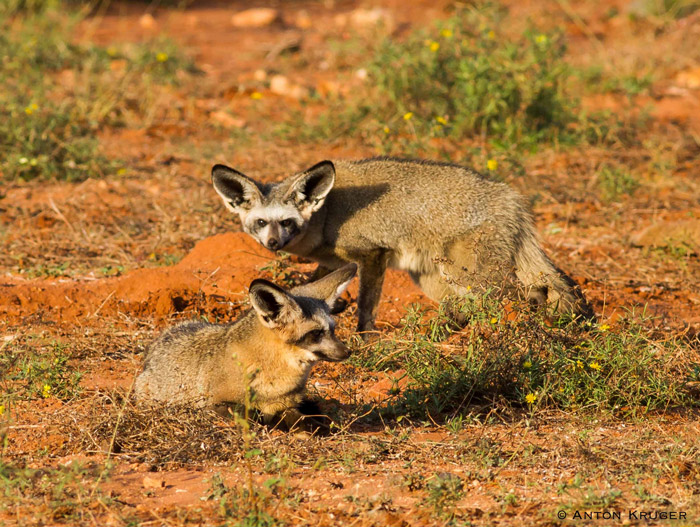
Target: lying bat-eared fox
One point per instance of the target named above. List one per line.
(269, 350)
(451, 228)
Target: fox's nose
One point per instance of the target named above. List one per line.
(273, 244)
(343, 352)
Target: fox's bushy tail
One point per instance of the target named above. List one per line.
(544, 280)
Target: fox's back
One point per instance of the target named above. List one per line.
(180, 363)
(396, 198)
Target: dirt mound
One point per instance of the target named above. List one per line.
(217, 271)
(213, 278)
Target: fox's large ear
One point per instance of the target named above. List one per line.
(309, 190)
(330, 287)
(274, 305)
(239, 192)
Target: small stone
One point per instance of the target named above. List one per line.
(328, 88)
(689, 79)
(369, 18)
(260, 75)
(147, 21)
(67, 78)
(256, 17)
(226, 120)
(118, 65)
(153, 483)
(302, 20)
(280, 85)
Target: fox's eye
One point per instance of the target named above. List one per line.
(315, 335)
(286, 223)
(261, 223)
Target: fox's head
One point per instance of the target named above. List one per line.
(275, 214)
(301, 317)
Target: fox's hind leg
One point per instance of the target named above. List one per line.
(435, 285)
(473, 265)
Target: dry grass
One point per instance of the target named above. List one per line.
(414, 443)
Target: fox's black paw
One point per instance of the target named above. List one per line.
(314, 418)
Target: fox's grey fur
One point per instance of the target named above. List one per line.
(452, 229)
(270, 350)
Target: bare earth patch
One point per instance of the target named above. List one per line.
(91, 271)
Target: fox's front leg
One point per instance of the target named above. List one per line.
(372, 272)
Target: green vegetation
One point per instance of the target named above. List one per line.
(444, 491)
(615, 182)
(466, 81)
(64, 491)
(59, 93)
(596, 80)
(465, 78)
(246, 507)
(527, 362)
(28, 373)
(669, 9)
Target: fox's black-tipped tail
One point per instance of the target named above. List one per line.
(544, 280)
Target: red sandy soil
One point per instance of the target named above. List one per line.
(165, 209)
(214, 276)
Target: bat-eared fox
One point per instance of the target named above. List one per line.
(453, 230)
(270, 350)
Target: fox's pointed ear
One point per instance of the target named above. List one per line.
(330, 287)
(274, 305)
(309, 190)
(239, 192)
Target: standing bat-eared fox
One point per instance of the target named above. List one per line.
(451, 228)
(270, 350)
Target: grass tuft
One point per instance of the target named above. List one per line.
(60, 93)
(530, 363)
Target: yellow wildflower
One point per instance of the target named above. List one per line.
(112, 51)
(604, 327)
(440, 119)
(491, 34)
(541, 39)
(494, 320)
(579, 364)
(161, 57)
(595, 365)
(2, 409)
(387, 130)
(527, 364)
(407, 116)
(256, 95)
(46, 391)
(29, 110)
(447, 33)
(530, 398)
(492, 164)
(434, 46)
